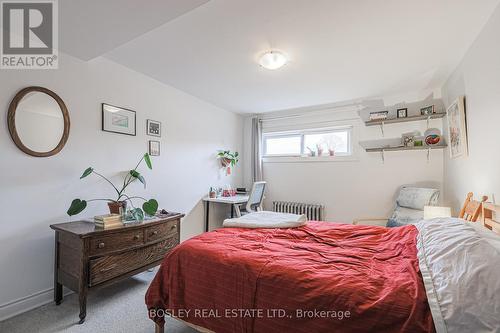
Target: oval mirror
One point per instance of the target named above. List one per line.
(38, 122)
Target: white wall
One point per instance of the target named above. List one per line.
(478, 78)
(355, 188)
(36, 192)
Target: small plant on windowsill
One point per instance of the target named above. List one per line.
(149, 206)
(319, 149)
(228, 159)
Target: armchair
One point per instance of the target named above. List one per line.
(409, 207)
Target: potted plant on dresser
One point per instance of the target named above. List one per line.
(118, 205)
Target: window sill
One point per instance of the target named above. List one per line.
(308, 159)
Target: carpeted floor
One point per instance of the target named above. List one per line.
(117, 308)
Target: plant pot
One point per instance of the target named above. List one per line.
(114, 207)
(225, 162)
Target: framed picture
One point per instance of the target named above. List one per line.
(428, 110)
(153, 127)
(408, 139)
(402, 113)
(379, 115)
(118, 120)
(154, 148)
(457, 128)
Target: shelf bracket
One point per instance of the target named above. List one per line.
(382, 154)
(382, 128)
(428, 120)
(428, 155)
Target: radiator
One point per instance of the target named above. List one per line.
(312, 211)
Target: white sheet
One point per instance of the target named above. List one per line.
(461, 272)
(266, 219)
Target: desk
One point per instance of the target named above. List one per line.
(237, 199)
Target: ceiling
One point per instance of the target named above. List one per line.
(91, 28)
(339, 50)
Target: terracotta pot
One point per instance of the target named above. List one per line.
(225, 162)
(114, 206)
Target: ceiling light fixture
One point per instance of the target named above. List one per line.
(273, 60)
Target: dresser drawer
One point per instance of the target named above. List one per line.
(108, 267)
(116, 241)
(161, 231)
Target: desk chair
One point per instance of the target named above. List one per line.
(255, 199)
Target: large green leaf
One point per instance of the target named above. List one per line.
(147, 159)
(77, 206)
(137, 214)
(87, 172)
(150, 207)
(137, 175)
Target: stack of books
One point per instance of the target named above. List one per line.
(108, 221)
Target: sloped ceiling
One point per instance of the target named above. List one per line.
(339, 50)
(89, 28)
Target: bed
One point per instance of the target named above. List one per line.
(325, 277)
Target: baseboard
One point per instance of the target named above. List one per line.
(26, 303)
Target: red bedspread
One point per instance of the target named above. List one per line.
(349, 279)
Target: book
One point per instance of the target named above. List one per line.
(108, 224)
(108, 218)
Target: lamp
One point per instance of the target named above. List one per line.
(431, 212)
(273, 60)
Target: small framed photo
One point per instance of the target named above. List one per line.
(408, 139)
(154, 148)
(402, 113)
(428, 110)
(153, 127)
(118, 120)
(379, 115)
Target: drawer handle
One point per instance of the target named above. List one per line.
(155, 233)
(109, 268)
(136, 237)
(101, 245)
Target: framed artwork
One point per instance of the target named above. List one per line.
(153, 127)
(118, 120)
(427, 110)
(402, 113)
(379, 115)
(154, 148)
(457, 128)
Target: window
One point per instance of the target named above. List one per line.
(320, 142)
(283, 145)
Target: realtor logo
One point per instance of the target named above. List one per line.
(29, 35)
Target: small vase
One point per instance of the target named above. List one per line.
(117, 207)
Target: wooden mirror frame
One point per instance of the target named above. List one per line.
(11, 121)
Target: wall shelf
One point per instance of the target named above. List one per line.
(403, 148)
(404, 120)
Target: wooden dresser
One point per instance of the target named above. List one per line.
(86, 256)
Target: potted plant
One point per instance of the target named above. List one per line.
(312, 153)
(319, 148)
(228, 159)
(149, 206)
